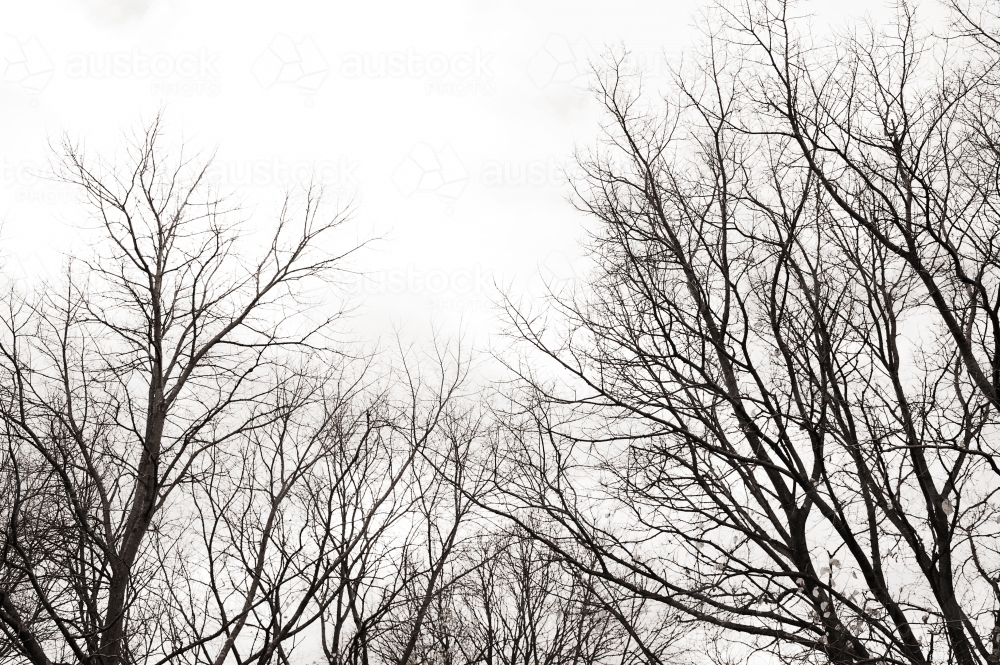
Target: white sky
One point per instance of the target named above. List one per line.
(458, 167)
(458, 164)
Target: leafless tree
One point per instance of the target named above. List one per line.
(384, 588)
(160, 439)
(443, 509)
(524, 605)
(774, 406)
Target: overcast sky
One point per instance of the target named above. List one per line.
(445, 122)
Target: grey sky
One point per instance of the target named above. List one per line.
(446, 121)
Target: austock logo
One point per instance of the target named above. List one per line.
(560, 61)
(296, 63)
(556, 276)
(429, 170)
(25, 63)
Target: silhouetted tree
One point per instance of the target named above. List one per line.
(774, 405)
(163, 432)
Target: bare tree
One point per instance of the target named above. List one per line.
(774, 409)
(384, 587)
(442, 510)
(151, 389)
(524, 605)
